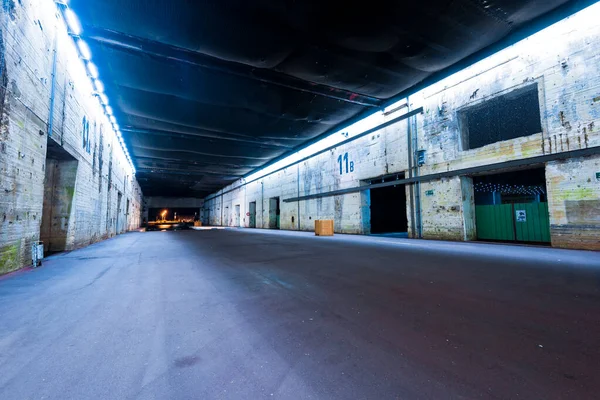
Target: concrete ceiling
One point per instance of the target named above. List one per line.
(207, 91)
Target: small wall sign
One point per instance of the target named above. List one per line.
(429, 193)
(521, 215)
(598, 176)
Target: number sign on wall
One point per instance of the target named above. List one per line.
(343, 161)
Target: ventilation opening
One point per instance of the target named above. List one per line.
(509, 116)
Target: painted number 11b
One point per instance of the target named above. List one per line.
(343, 160)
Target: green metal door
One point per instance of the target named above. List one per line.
(532, 223)
(523, 222)
(495, 222)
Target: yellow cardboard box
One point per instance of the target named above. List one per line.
(324, 227)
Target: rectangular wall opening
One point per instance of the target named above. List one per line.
(252, 216)
(504, 117)
(127, 215)
(274, 213)
(238, 217)
(388, 208)
(59, 190)
(512, 207)
(119, 216)
(180, 214)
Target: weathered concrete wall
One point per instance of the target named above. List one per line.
(574, 198)
(564, 60)
(31, 31)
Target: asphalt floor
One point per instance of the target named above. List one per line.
(251, 314)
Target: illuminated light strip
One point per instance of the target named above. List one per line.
(99, 86)
(83, 50)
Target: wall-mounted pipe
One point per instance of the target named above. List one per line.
(415, 146)
(53, 83)
(410, 156)
(298, 182)
(505, 165)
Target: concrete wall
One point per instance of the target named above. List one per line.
(31, 31)
(564, 60)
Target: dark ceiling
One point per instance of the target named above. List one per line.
(207, 91)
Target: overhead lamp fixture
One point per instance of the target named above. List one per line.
(99, 86)
(84, 50)
(92, 70)
(109, 110)
(103, 98)
(113, 119)
(72, 22)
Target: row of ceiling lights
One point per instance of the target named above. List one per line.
(85, 54)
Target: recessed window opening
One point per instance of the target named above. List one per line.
(504, 117)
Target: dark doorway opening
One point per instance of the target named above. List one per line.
(119, 217)
(59, 190)
(252, 216)
(127, 215)
(238, 217)
(388, 207)
(274, 213)
(512, 206)
(180, 214)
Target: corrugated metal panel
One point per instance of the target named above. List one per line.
(495, 222)
(499, 222)
(536, 226)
